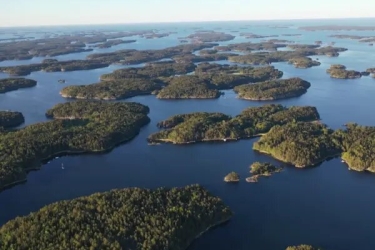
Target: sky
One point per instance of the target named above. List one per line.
(70, 12)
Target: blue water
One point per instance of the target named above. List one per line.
(327, 206)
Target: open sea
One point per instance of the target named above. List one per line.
(326, 206)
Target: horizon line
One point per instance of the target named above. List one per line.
(178, 22)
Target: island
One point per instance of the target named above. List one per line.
(131, 218)
(339, 71)
(285, 56)
(258, 169)
(111, 43)
(111, 90)
(273, 90)
(248, 46)
(301, 144)
(61, 44)
(9, 119)
(252, 35)
(10, 84)
(188, 87)
(78, 127)
(210, 36)
(303, 62)
(371, 71)
(204, 127)
(232, 177)
(337, 28)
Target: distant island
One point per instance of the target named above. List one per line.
(339, 71)
(337, 28)
(210, 36)
(111, 43)
(131, 218)
(302, 247)
(258, 169)
(273, 90)
(10, 84)
(203, 127)
(303, 62)
(78, 127)
(232, 177)
(9, 119)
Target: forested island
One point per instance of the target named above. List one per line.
(337, 27)
(303, 247)
(188, 87)
(307, 144)
(248, 46)
(258, 169)
(102, 60)
(61, 45)
(159, 78)
(303, 62)
(273, 90)
(210, 36)
(201, 127)
(111, 90)
(339, 71)
(78, 127)
(9, 119)
(300, 144)
(293, 56)
(10, 84)
(131, 218)
(111, 43)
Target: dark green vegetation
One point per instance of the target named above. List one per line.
(303, 62)
(188, 87)
(10, 119)
(192, 58)
(111, 90)
(102, 60)
(337, 27)
(132, 56)
(252, 35)
(273, 90)
(301, 144)
(111, 43)
(357, 144)
(306, 144)
(9, 84)
(258, 169)
(248, 47)
(232, 177)
(286, 56)
(302, 247)
(64, 44)
(209, 37)
(340, 71)
(206, 83)
(130, 218)
(200, 127)
(77, 127)
(53, 66)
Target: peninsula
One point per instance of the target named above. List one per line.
(273, 90)
(78, 127)
(131, 218)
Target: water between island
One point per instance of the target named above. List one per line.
(327, 205)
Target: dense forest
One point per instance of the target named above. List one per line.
(286, 56)
(112, 90)
(131, 218)
(9, 84)
(78, 127)
(249, 46)
(197, 127)
(209, 37)
(273, 90)
(301, 144)
(303, 62)
(9, 119)
(340, 71)
(188, 87)
(303, 247)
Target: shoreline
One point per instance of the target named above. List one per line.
(206, 230)
(168, 141)
(40, 161)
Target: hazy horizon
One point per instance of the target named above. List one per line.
(25, 13)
